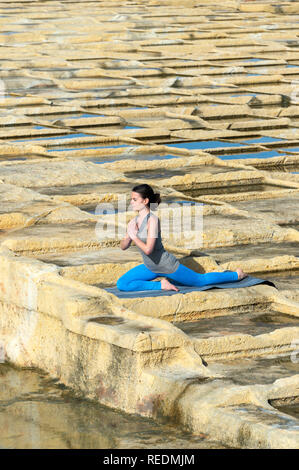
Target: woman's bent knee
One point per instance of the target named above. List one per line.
(120, 284)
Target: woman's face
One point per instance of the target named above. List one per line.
(137, 202)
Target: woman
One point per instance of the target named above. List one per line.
(145, 231)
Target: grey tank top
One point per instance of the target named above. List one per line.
(159, 260)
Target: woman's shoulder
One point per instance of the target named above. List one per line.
(154, 224)
(153, 217)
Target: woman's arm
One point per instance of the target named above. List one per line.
(152, 234)
(131, 230)
(125, 242)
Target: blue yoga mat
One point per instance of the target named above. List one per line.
(246, 282)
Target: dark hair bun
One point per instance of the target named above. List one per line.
(146, 191)
(157, 198)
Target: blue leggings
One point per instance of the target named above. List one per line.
(140, 277)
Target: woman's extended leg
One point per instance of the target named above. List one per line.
(188, 277)
(138, 278)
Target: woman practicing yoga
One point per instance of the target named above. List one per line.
(145, 231)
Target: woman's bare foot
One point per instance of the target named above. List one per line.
(241, 274)
(167, 286)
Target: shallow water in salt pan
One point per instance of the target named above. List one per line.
(37, 413)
